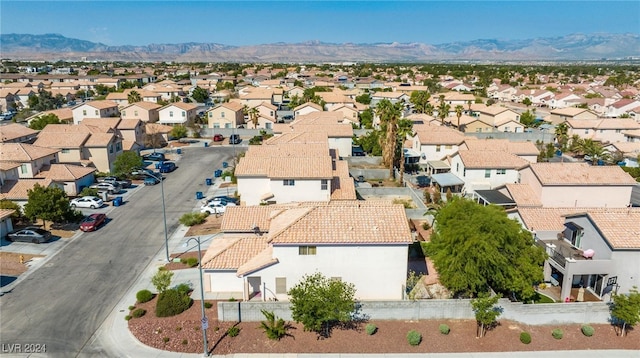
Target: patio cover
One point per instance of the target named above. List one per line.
(446, 179)
(495, 197)
(438, 164)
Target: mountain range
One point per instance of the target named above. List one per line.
(573, 47)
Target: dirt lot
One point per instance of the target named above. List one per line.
(10, 263)
(209, 227)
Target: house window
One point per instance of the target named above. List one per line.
(281, 285)
(306, 250)
(271, 113)
(487, 173)
(216, 125)
(448, 146)
(437, 148)
(457, 167)
(135, 113)
(118, 146)
(227, 125)
(478, 130)
(96, 112)
(268, 126)
(65, 151)
(501, 171)
(184, 114)
(573, 233)
(170, 113)
(324, 184)
(222, 115)
(124, 113)
(84, 112)
(289, 182)
(618, 130)
(586, 131)
(464, 172)
(110, 148)
(23, 169)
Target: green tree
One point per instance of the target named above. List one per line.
(562, 137)
(370, 142)
(443, 109)
(134, 97)
(366, 119)
(528, 118)
(594, 150)
(8, 204)
(254, 116)
(526, 101)
(459, 109)
(405, 129)
(389, 113)
(42, 121)
(485, 311)
(626, 310)
(178, 131)
(420, 100)
(201, 95)
(162, 280)
(319, 303)
(125, 163)
(475, 248)
(364, 98)
(48, 204)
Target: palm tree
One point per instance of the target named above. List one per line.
(389, 114)
(134, 97)
(254, 115)
(428, 109)
(594, 150)
(405, 128)
(561, 133)
(443, 109)
(459, 110)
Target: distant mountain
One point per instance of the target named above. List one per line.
(571, 47)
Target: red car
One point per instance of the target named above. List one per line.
(218, 138)
(92, 222)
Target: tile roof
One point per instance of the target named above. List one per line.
(568, 111)
(229, 252)
(99, 139)
(523, 195)
(580, 174)
(21, 152)
(143, 105)
(152, 128)
(298, 137)
(129, 123)
(18, 189)
(438, 135)
(5, 213)
(297, 167)
(621, 228)
(103, 123)
(56, 140)
(9, 165)
(491, 159)
(64, 172)
(308, 104)
(505, 145)
(342, 185)
(102, 104)
(182, 105)
(14, 131)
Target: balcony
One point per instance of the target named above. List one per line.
(560, 251)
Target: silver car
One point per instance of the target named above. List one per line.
(109, 188)
(35, 235)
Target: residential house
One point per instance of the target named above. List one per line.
(17, 133)
(508, 125)
(393, 97)
(266, 110)
(470, 124)
(339, 134)
(167, 90)
(629, 150)
(30, 157)
(177, 113)
(72, 178)
(578, 184)
(17, 191)
(494, 114)
(334, 99)
(597, 249)
(7, 99)
(564, 100)
(306, 108)
(253, 96)
(95, 109)
(65, 115)
(225, 115)
(156, 135)
(433, 144)
(603, 130)
(502, 93)
(525, 150)
(266, 250)
(22, 95)
(349, 113)
(560, 115)
(423, 118)
(623, 106)
(6, 225)
(486, 169)
(144, 111)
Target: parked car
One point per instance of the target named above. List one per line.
(218, 137)
(149, 180)
(357, 152)
(215, 208)
(35, 235)
(92, 222)
(86, 202)
(223, 199)
(109, 188)
(154, 157)
(288, 117)
(167, 167)
(113, 180)
(235, 139)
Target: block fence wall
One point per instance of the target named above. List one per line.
(539, 314)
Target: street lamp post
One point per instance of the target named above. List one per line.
(205, 321)
(164, 213)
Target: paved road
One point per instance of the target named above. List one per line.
(63, 303)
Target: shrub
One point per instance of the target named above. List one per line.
(371, 329)
(525, 337)
(183, 288)
(162, 279)
(172, 302)
(138, 313)
(192, 262)
(165, 339)
(426, 226)
(194, 218)
(414, 338)
(185, 342)
(131, 308)
(232, 299)
(144, 296)
(178, 329)
(127, 317)
(208, 305)
(275, 328)
(444, 329)
(557, 333)
(233, 331)
(588, 330)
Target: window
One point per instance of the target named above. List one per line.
(464, 172)
(96, 112)
(324, 184)
(438, 148)
(110, 148)
(227, 125)
(586, 131)
(306, 250)
(65, 150)
(281, 285)
(271, 113)
(268, 126)
(170, 113)
(501, 171)
(457, 167)
(618, 130)
(184, 114)
(216, 125)
(288, 182)
(135, 113)
(23, 169)
(118, 146)
(124, 113)
(478, 130)
(487, 173)
(84, 112)
(448, 146)
(221, 114)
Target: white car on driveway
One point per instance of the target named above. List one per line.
(109, 188)
(215, 207)
(86, 202)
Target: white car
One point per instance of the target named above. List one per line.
(87, 202)
(215, 207)
(109, 188)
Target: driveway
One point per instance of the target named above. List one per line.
(64, 301)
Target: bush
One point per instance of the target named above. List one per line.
(144, 296)
(275, 328)
(414, 338)
(588, 330)
(208, 305)
(138, 313)
(233, 331)
(172, 302)
(183, 288)
(127, 317)
(191, 262)
(371, 329)
(193, 218)
(557, 333)
(131, 308)
(185, 342)
(88, 192)
(444, 329)
(525, 337)
(165, 339)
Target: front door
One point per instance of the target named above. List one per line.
(255, 283)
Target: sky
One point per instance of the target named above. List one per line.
(240, 22)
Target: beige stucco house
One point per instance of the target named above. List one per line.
(144, 111)
(95, 109)
(225, 115)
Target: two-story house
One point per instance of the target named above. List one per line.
(17, 133)
(559, 115)
(339, 134)
(603, 130)
(525, 150)
(225, 115)
(31, 158)
(177, 113)
(434, 143)
(95, 109)
(144, 111)
(486, 169)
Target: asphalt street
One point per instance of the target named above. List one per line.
(62, 304)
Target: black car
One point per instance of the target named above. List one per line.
(357, 152)
(154, 157)
(234, 139)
